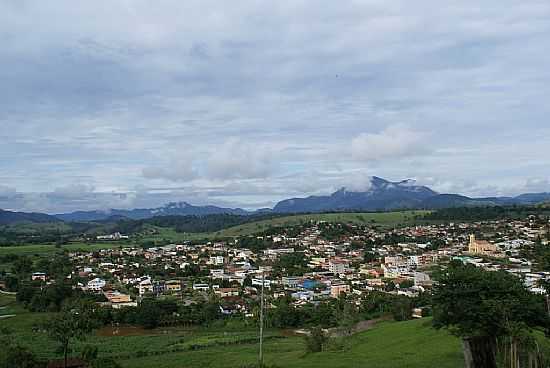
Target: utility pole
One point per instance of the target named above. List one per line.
(261, 358)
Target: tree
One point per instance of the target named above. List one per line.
(22, 267)
(481, 307)
(13, 355)
(149, 313)
(369, 257)
(74, 322)
(316, 341)
(402, 308)
(405, 284)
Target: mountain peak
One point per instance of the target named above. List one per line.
(378, 181)
(177, 205)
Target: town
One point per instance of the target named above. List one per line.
(309, 263)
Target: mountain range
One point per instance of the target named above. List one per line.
(171, 209)
(381, 195)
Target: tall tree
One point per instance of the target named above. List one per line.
(481, 307)
(74, 322)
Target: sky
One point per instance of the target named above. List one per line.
(131, 103)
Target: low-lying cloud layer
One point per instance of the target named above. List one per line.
(128, 104)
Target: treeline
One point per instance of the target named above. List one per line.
(63, 233)
(152, 313)
(189, 224)
(486, 213)
(344, 312)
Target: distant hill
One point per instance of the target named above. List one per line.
(381, 195)
(385, 195)
(9, 217)
(171, 209)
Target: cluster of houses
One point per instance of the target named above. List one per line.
(235, 275)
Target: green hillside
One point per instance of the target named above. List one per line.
(162, 235)
(412, 344)
(380, 218)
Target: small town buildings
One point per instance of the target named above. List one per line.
(96, 284)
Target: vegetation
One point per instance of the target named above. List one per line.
(72, 323)
(484, 213)
(316, 341)
(491, 311)
(169, 229)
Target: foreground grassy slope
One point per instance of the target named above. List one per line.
(412, 344)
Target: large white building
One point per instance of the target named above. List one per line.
(96, 284)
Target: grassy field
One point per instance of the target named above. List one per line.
(41, 249)
(361, 218)
(412, 344)
(380, 218)
(165, 235)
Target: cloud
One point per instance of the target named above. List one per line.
(6, 191)
(119, 95)
(74, 189)
(537, 185)
(236, 159)
(179, 171)
(395, 141)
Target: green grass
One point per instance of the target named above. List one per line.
(6, 300)
(380, 218)
(411, 344)
(41, 249)
(362, 218)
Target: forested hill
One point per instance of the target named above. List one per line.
(9, 217)
(487, 213)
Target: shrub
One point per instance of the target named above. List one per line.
(316, 341)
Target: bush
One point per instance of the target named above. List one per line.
(316, 341)
(402, 309)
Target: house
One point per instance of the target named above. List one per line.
(337, 266)
(337, 289)
(258, 282)
(422, 279)
(201, 287)
(303, 295)
(115, 236)
(159, 287)
(145, 286)
(38, 276)
(119, 300)
(226, 292)
(173, 286)
(290, 281)
(96, 284)
(417, 312)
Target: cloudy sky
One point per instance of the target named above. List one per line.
(130, 103)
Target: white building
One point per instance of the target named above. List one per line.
(96, 284)
(337, 267)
